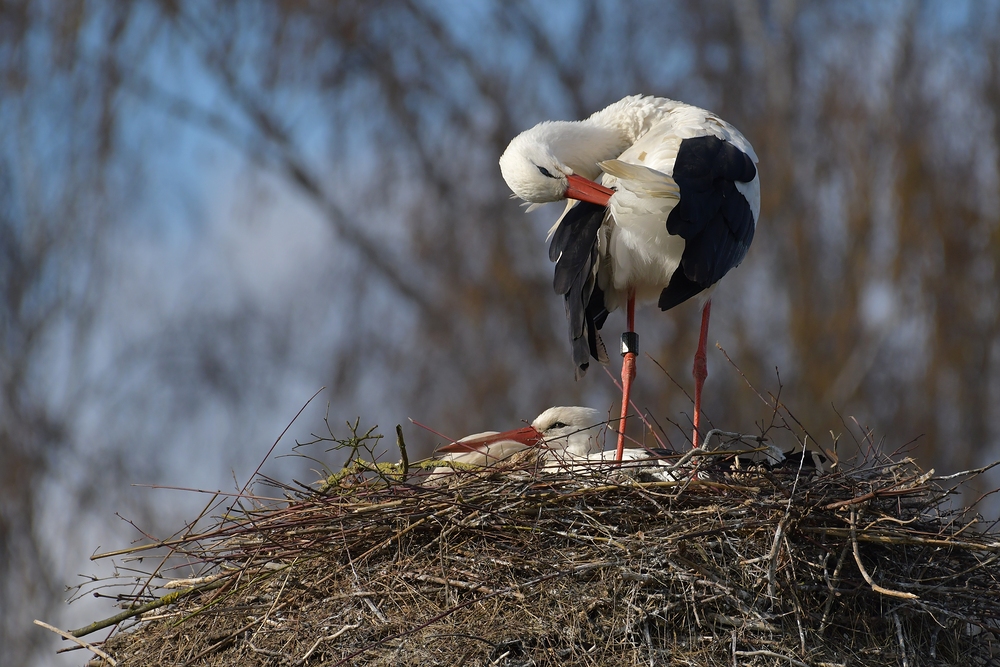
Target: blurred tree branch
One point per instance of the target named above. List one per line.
(871, 283)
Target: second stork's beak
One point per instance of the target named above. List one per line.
(526, 436)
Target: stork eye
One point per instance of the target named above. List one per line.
(559, 425)
(547, 174)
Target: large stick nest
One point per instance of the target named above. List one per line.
(515, 567)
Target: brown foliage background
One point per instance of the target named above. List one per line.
(425, 291)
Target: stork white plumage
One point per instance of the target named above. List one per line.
(675, 210)
(559, 433)
(565, 439)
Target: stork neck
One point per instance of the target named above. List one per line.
(582, 144)
(633, 116)
(607, 133)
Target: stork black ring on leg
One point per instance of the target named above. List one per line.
(630, 343)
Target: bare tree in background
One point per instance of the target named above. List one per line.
(870, 286)
(57, 117)
(881, 222)
(859, 153)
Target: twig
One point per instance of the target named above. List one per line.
(776, 546)
(864, 572)
(68, 635)
(393, 538)
(428, 428)
(772, 565)
(302, 660)
(745, 378)
(169, 598)
(902, 539)
(772, 654)
(404, 460)
(728, 434)
(974, 471)
(465, 585)
(890, 490)
(277, 597)
(195, 581)
(170, 544)
(280, 436)
(828, 605)
(899, 636)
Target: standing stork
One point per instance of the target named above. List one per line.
(675, 210)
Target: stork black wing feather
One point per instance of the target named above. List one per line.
(595, 315)
(584, 306)
(575, 252)
(712, 215)
(678, 290)
(572, 243)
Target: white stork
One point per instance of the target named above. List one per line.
(566, 438)
(675, 210)
(560, 433)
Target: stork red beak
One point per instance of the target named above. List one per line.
(527, 436)
(587, 190)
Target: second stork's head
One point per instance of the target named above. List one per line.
(560, 432)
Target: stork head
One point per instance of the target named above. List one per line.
(557, 160)
(532, 172)
(562, 431)
(573, 431)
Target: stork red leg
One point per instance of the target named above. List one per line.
(700, 370)
(630, 341)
